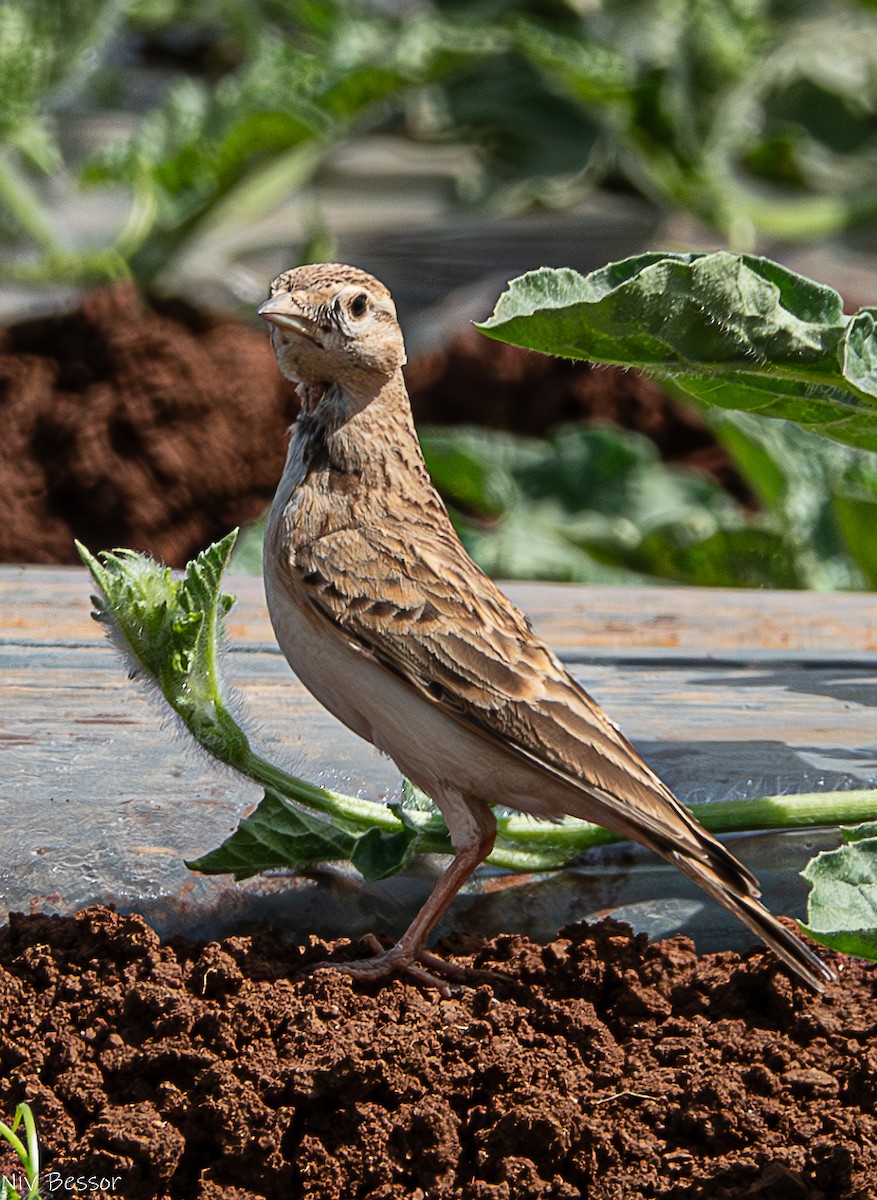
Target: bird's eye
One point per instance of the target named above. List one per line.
(358, 305)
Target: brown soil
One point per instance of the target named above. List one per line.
(128, 425)
(599, 1066)
(156, 427)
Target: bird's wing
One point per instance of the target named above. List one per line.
(425, 612)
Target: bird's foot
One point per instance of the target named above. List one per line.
(420, 966)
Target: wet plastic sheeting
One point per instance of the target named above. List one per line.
(102, 800)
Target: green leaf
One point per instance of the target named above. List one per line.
(531, 542)
(47, 46)
(584, 69)
(598, 506)
(475, 469)
(377, 854)
(858, 833)
(860, 352)
(842, 908)
(277, 836)
(246, 558)
(742, 557)
(280, 835)
(172, 628)
(618, 474)
(733, 331)
(854, 498)
(809, 484)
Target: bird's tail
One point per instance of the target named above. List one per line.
(743, 902)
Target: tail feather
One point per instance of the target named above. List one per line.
(677, 836)
(786, 945)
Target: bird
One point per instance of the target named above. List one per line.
(388, 622)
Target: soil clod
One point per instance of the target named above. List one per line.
(612, 1068)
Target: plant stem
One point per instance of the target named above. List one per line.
(14, 1141)
(806, 810)
(153, 613)
(29, 1155)
(350, 811)
(563, 841)
(526, 844)
(27, 211)
(32, 1171)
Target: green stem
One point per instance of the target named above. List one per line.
(558, 843)
(32, 1169)
(154, 615)
(29, 1155)
(27, 211)
(14, 1141)
(349, 810)
(525, 844)
(352, 812)
(806, 810)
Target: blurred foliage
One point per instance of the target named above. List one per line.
(822, 496)
(598, 506)
(747, 339)
(758, 115)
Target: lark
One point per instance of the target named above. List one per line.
(383, 616)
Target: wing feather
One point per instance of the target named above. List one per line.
(473, 654)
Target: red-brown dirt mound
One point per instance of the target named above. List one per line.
(130, 425)
(599, 1066)
(153, 426)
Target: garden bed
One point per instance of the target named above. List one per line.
(595, 1065)
(598, 1066)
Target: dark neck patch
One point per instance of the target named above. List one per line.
(323, 453)
(315, 450)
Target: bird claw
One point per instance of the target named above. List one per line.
(420, 966)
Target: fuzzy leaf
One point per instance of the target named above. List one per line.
(733, 331)
(842, 908)
(172, 627)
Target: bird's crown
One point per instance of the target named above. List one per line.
(326, 277)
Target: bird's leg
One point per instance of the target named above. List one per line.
(473, 832)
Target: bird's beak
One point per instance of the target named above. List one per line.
(283, 311)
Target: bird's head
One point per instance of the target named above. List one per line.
(333, 325)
